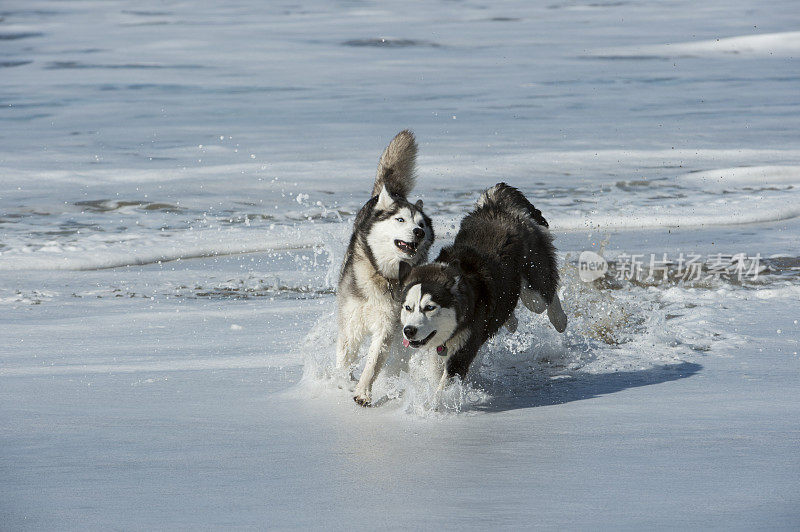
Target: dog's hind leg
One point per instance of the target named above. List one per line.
(351, 334)
(532, 299)
(346, 349)
(556, 314)
(378, 350)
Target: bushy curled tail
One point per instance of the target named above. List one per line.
(396, 166)
(504, 197)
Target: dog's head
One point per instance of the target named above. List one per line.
(429, 312)
(399, 231)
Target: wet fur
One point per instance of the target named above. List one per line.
(503, 248)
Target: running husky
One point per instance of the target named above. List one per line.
(503, 252)
(388, 231)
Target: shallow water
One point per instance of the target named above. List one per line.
(150, 135)
(177, 184)
(128, 126)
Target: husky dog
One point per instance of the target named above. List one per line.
(503, 252)
(388, 231)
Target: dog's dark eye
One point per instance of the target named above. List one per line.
(429, 308)
(401, 220)
(408, 308)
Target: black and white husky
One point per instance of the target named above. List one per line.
(503, 252)
(388, 231)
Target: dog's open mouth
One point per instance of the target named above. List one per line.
(406, 247)
(418, 343)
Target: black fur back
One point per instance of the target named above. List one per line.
(506, 198)
(506, 231)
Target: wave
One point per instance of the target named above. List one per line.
(725, 214)
(784, 44)
(761, 176)
(92, 254)
(731, 196)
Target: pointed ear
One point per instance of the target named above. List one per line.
(405, 269)
(418, 205)
(385, 200)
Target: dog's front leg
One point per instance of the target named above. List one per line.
(443, 381)
(378, 350)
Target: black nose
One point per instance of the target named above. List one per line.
(419, 233)
(410, 331)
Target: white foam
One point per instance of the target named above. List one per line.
(717, 213)
(92, 252)
(784, 44)
(609, 331)
(96, 251)
(762, 176)
(747, 201)
(701, 204)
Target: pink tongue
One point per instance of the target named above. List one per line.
(406, 343)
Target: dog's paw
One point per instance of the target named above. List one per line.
(556, 315)
(363, 400)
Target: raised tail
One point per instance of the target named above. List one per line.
(508, 198)
(396, 166)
